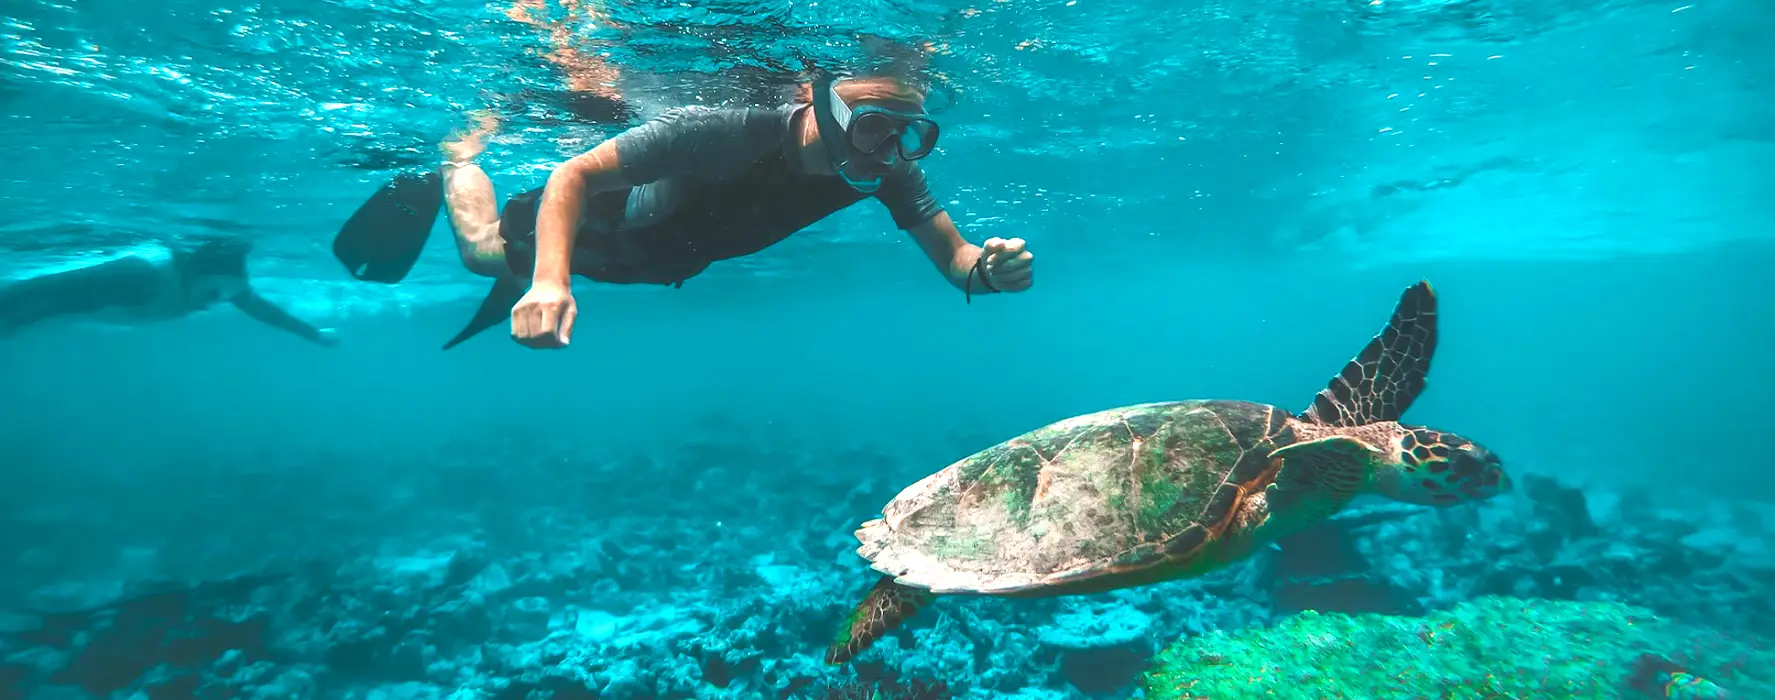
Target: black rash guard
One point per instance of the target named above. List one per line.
(710, 184)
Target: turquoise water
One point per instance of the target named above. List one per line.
(1224, 200)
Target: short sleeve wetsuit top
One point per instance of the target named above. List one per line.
(709, 184)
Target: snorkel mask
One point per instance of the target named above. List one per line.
(866, 132)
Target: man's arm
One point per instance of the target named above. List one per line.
(943, 244)
(557, 216)
(914, 209)
(268, 313)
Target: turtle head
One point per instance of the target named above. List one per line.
(1434, 468)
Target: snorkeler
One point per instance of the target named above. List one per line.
(660, 202)
(155, 282)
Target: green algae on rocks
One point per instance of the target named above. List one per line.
(1488, 648)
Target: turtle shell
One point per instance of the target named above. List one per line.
(1101, 501)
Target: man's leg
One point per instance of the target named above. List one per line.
(469, 197)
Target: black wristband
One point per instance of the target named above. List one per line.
(979, 269)
(980, 266)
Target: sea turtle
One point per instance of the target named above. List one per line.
(1160, 491)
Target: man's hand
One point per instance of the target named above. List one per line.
(327, 337)
(544, 317)
(1006, 265)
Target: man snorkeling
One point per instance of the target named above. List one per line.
(156, 282)
(660, 202)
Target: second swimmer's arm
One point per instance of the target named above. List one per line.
(262, 310)
(563, 197)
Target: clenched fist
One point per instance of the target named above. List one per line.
(544, 317)
(1006, 265)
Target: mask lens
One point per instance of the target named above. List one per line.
(918, 139)
(872, 130)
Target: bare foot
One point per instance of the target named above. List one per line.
(465, 145)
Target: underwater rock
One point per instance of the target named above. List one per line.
(156, 638)
(1323, 569)
(1546, 540)
(1101, 649)
(12, 680)
(1489, 647)
(877, 682)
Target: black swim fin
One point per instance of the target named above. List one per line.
(495, 309)
(383, 239)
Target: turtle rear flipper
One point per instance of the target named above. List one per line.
(1382, 381)
(887, 606)
(1318, 477)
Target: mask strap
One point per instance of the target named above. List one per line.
(841, 112)
(839, 115)
(840, 141)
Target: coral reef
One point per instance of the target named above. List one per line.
(463, 583)
(1492, 647)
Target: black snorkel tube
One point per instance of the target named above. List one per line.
(834, 134)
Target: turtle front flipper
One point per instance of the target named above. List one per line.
(1318, 478)
(887, 606)
(1382, 381)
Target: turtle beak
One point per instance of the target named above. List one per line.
(1494, 465)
